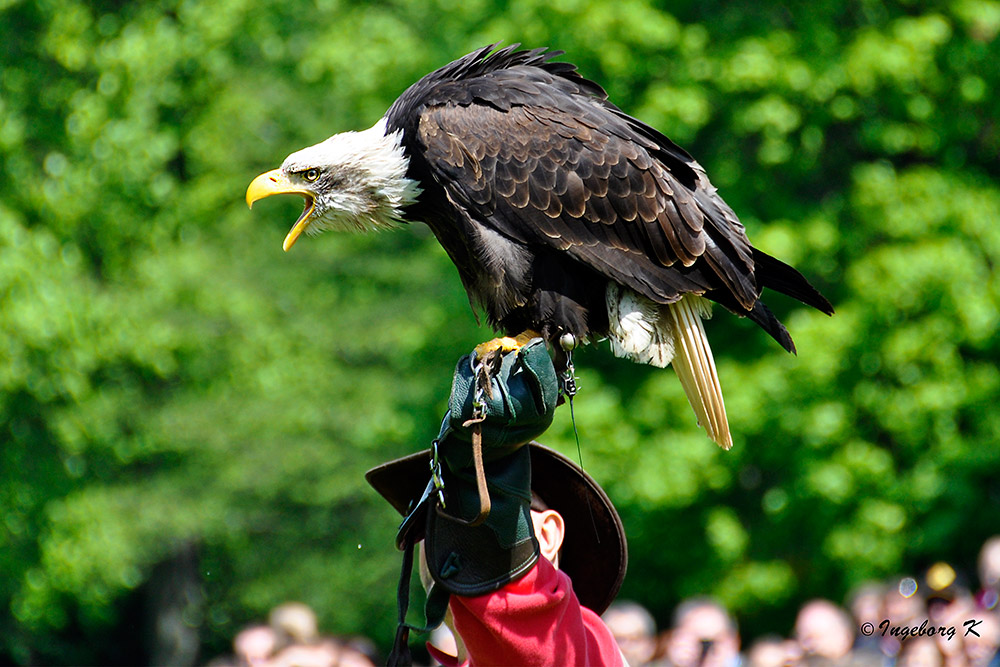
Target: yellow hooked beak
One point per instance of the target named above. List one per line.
(275, 182)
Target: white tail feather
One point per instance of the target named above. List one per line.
(695, 367)
(650, 333)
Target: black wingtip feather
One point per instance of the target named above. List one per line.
(764, 318)
(775, 274)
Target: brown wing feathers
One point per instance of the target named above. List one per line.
(602, 189)
(533, 152)
(596, 195)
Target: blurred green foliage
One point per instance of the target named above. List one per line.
(169, 377)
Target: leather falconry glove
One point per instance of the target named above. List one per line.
(482, 537)
(474, 515)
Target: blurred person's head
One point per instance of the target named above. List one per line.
(359, 644)
(952, 610)
(294, 623)
(634, 629)
(920, 652)
(904, 605)
(867, 603)
(981, 650)
(989, 563)
(255, 644)
(952, 614)
(945, 587)
(352, 657)
(901, 609)
(704, 635)
(823, 629)
(317, 654)
(773, 651)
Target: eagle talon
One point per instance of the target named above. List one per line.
(490, 347)
(504, 345)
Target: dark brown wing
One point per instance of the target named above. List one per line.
(532, 150)
(576, 174)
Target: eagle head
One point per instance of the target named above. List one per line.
(351, 181)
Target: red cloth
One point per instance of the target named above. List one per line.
(536, 620)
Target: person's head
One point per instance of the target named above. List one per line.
(317, 654)
(901, 609)
(944, 587)
(254, 645)
(293, 623)
(989, 563)
(634, 629)
(704, 635)
(576, 525)
(773, 651)
(353, 657)
(583, 533)
(952, 614)
(823, 629)
(867, 603)
(919, 652)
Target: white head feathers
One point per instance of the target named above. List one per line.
(359, 182)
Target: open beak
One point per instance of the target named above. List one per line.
(275, 182)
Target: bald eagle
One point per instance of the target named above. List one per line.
(564, 215)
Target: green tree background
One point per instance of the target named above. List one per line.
(178, 395)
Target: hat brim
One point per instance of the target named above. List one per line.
(594, 552)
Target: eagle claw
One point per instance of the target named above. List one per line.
(503, 345)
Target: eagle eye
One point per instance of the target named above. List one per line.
(311, 174)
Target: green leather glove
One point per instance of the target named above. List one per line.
(469, 553)
(474, 513)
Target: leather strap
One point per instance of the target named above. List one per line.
(400, 654)
(477, 462)
(435, 608)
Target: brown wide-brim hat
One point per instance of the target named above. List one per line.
(594, 552)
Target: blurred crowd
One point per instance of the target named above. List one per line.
(291, 638)
(936, 620)
(939, 619)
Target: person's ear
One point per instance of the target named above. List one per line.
(550, 529)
